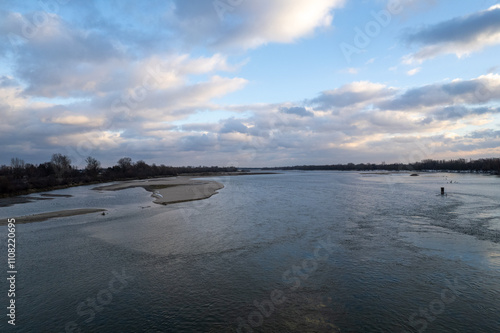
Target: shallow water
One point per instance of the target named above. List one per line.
(336, 251)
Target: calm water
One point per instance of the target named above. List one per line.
(335, 252)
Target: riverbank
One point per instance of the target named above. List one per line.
(50, 215)
(166, 190)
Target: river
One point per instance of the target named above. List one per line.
(291, 252)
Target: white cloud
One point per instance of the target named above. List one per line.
(250, 24)
(414, 71)
(76, 120)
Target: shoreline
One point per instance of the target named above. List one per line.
(98, 182)
(165, 190)
(51, 215)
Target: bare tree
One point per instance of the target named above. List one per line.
(93, 166)
(17, 163)
(61, 163)
(125, 163)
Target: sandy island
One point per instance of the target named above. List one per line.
(171, 189)
(165, 191)
(50, 215)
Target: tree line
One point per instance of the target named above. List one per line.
(486, 165)
(21, 178)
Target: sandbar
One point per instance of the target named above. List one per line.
(56, 195)
(50, 215)
(171, 190)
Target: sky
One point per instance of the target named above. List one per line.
(249, 83)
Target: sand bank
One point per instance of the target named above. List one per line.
(10, 201)
(51, 215)
(171, 189)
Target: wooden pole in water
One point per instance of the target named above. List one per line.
(442, 190)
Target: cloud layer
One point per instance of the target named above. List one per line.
(95, 85)
(460, 36)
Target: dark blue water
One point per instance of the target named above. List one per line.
(294, 252)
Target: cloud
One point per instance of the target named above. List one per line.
(414, 71)
(234, 126)
(475, 91)
(100, 85)
(200, 127)
(204, 142)
(296, 110)
(73, 120)
(351, 94)
(59, 60)
(250, 24)
(484, 134)
(460, 36)
(453, 113)
(6, 81)
(284, 133)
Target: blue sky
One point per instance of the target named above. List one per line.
(249, 82)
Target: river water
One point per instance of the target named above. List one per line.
(290, 252)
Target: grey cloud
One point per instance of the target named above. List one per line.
(422, 96)
(63, 59)
(460, 35)
(484, 134)
(200, 127)
(234, 125)
(198, 142)
(466, 146)
(8, 82)
(297, 110)
(471, 91)
(460, 29)
(338, 98)
(59, 66)
(457, 112)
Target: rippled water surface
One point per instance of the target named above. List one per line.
(291, 252)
